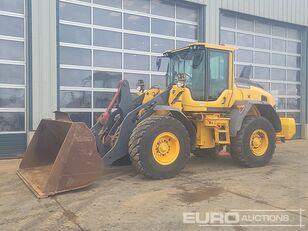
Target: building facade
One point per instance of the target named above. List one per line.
(68, 55)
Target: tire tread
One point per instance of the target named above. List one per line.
(135, 141)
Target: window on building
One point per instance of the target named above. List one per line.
(276, 59)
(12, 67)
(102, 43)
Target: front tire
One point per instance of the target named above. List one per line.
(159, 147)
(255, 143)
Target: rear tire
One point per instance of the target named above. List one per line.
(154, 153)
(250, 153)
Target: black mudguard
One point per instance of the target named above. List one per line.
(179, 115)
(241, 108)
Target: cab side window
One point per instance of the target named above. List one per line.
(217, 73)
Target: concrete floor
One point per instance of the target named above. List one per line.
(122, 200)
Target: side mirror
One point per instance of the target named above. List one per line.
(158, 63)
(246, 72)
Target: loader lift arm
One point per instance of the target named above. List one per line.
(112, 135)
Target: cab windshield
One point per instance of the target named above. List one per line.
(203, 84)
(190, 62)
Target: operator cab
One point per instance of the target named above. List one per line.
(205, 67)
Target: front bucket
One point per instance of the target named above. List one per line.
(61, 156)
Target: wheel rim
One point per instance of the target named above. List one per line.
(259, 142)
(166, 148)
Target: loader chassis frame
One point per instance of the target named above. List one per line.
(126, 117)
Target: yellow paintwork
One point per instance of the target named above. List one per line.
(210, 125)
(221, 127)
(150, 94)
(258, 142)
(288, 128)
(166, 148)
(226, 100)
(191, 105)
(175, 97)
(204, 135)
(207, 45)
(210, 129)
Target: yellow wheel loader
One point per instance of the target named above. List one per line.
(203, 110)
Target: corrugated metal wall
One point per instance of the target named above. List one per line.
(304, 91)
(12, 145)
(291, 11)
(44, 60)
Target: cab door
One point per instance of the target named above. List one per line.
(212, 89)
(218, 81)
